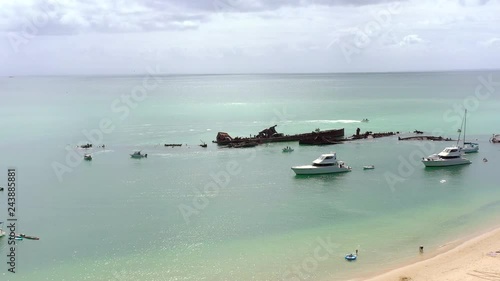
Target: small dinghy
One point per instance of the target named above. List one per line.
(24, 236)
(287, 149)
(351, 257)
(369, 167)
(87, 157)
(138, 155)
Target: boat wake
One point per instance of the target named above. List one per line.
(332, 121)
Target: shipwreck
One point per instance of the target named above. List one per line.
(271, 135)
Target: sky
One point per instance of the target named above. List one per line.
(66, 37)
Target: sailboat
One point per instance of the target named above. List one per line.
(450, 156)
(467, 147)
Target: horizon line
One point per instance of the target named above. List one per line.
(251, 73)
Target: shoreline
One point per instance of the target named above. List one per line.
(463, 259)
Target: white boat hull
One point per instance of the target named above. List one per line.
(444, 163)
(317, 170)
(470, 149)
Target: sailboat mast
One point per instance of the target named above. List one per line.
(465, 124)
(460, 131)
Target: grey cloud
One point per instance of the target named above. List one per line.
(64, 18)
(48, 18)
(263, 5)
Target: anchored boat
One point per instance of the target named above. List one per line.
(467, 147)
(203, 144)
(24, 236)
(450, 156)
(351, 257)
(325, 164)
(138, 155)
(495, 138)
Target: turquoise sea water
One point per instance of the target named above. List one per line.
(192, 213)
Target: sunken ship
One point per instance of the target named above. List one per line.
(271, 135)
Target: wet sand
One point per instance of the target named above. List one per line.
(474, 259)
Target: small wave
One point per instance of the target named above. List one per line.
(146, 125)
(333, 121)
(209, 129)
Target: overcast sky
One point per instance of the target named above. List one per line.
(246, 36)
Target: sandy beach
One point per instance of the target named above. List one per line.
(474, 259)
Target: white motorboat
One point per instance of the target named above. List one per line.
(325, 164)
(467, 147)
(495, 138)
(450, 156)
(138, 154)
(369, 167)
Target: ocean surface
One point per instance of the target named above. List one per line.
(215, 213)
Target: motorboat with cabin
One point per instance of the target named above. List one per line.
(450, 156)
(325, 164)
(138, 155)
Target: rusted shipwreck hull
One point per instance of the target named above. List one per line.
(319, 140)
(270, 135)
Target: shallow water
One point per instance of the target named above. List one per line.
(192, 213)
